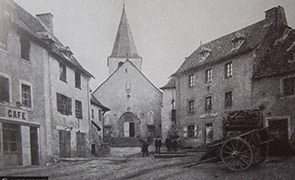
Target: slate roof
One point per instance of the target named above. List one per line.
(170, 85)
(124, 46)
(96, 102)
(222, 48)
(34, 27)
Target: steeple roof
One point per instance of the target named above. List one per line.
(124, 44)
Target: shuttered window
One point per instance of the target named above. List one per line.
(184, 131)
(25, 48)
(190, 131)
(78, 109)
(64, 104)
(4, 89)
(289, 86)
(26, 95)
(77, 80)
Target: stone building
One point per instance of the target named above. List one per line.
(168, 111)
(219, 77)
(44, 93)
(134, 101)
(96, 128)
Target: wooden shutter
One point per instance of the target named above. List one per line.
(184, 131)
(4, 89)
(196, 131)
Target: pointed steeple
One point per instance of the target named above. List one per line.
(124, 46)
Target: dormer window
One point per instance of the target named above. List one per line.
(237, 41)
(204, 53)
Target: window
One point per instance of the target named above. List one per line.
(208, 75)
(26, 97)
(78, 109)
(208, 105)
(228, 101)
(228, 70)
(184, 131)
(77, 80)
(25, 48)
(191, 106)
(191, 80)
(64, 104)
(190, 131)
(237, 41)
(99, 115)
(92, 113)
(3, 32)
(4, 89)
(289, 86)
(62, 72)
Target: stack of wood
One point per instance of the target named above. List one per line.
(243, 120)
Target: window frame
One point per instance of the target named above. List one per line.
(21, 99)
(208, 108)
(9, 88)
(209, 75)
(191, 80)
(228, 70)
(191, 106)
(78, 81)
(228, 103)
(191, 131)
(62, 72)
(292, 79)
(78, 109)
(25, 48)
(65, 107)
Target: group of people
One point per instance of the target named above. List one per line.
(170, 143)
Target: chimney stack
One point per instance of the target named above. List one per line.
(277, 15)
(47, 20)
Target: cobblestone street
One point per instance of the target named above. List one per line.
(136, 167)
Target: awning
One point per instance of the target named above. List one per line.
(97, 126)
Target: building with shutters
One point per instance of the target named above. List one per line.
(134, 101)
(237, 71)
(44, 92)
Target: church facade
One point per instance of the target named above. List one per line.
(134, 101)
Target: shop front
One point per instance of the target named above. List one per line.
(19, 138)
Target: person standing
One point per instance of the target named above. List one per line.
(168, 144)
(158, 144)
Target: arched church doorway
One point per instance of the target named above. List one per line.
(129, 125)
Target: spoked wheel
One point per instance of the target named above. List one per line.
(236, 154)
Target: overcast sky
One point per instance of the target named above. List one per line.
(164, 31)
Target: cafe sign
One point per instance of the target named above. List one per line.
(16, 114)
(209, 115)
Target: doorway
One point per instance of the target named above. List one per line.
(64, 143)
(278, 129)
(129, 129)
(34, 146)
(208, 133)
(81, 144)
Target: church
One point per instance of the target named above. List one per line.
(135, 102)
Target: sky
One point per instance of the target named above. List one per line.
(164, 31)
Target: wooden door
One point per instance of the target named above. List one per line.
(279, 131)
(81, 144)
(11, 144)
(126, 129)
(34, 146)
(64, 143)
(208, 133)
(131, 129)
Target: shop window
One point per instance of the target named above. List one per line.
(78, 109)
(26, 95)
(64, 104)
(228, 70)
(208, 75)
(4, 89)
(208, 103)
(289, 86)
(228, 101)
(77, 80)
(62, 72)
(25, 48)
(191, 80)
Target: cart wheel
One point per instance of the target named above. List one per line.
(236, 154)
(260, 151)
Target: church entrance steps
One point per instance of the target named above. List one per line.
(124, 151)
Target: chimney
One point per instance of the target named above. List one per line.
(276, 15)
(46, 19)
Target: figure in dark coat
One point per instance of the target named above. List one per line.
(158, 144)
(168, 144)
(145, 149)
